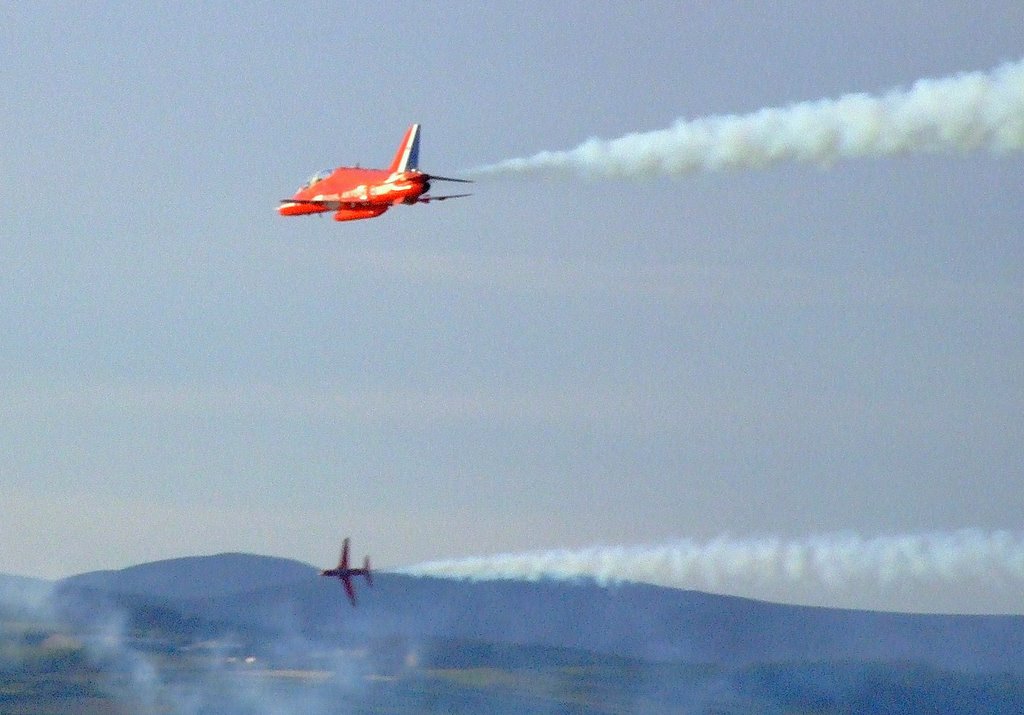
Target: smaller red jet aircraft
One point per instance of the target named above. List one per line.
(354, 193)
(345, 574)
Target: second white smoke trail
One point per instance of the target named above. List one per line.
(964, 571)
(972, 111)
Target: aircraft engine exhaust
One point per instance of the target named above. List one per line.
(935, 572)
(967, 112)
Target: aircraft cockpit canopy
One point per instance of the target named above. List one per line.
(318, 176)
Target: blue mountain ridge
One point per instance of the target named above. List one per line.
(278, 598)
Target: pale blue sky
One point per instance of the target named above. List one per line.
(552, 362)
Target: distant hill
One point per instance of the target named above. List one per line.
(196, 576)
(12, 584)
(268, 600)
(20, 595)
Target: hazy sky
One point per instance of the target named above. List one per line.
(554, 362)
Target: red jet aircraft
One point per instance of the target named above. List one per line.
(354, 193)
(345, 574)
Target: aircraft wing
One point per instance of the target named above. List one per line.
(428, 199)
(343, 559)
(331, 203)
(346, 581)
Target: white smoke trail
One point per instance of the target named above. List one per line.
(977, 110)
(967, 571)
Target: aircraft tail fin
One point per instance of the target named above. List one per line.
(366, 568)
(407, 158)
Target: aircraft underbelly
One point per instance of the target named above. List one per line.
(354, 214)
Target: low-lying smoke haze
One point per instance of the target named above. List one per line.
(912, 572)
(972, 111)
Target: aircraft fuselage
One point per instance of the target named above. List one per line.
(357, 193)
